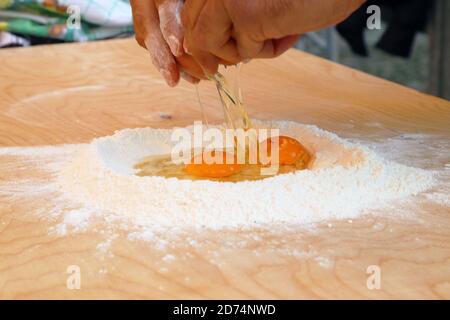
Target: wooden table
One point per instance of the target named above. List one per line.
(67, 94)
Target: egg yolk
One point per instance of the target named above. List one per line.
(199, 168)
(290, 150)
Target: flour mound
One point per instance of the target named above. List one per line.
(344, 181)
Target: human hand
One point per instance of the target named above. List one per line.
(158, 29)
(236, 30)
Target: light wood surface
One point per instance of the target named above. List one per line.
(67, 94)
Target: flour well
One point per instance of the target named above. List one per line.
(345, 180)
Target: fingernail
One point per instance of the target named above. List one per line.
(175, 46)
(185, 47)
(168, 77)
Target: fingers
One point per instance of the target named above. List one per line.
(162, 58)
(140, 10)
(155, 43)
(249, 48)
(186, 76)
(189, 16)
(191, 11)
(170, 24)
(173, 32)
(284, 44)
(228, 53)
(211, 36)
(158, 29)
(208, 62)
(217, 31)
(208, 34)
(190, 66)
(275, 47)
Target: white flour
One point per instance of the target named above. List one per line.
(345, 180)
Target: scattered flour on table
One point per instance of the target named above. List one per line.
(345, 179)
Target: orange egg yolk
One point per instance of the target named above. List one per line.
(290, 150)
(218, 169)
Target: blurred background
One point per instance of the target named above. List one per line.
(405, 41)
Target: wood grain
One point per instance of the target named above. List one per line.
(69, 94)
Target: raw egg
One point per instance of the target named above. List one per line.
(290, 150)
(199, 168)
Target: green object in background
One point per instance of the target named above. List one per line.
(5, 3)
(33, 18)
(27, 27)
(61, 31)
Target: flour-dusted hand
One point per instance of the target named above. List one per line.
(236, 30)
(158, 29)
